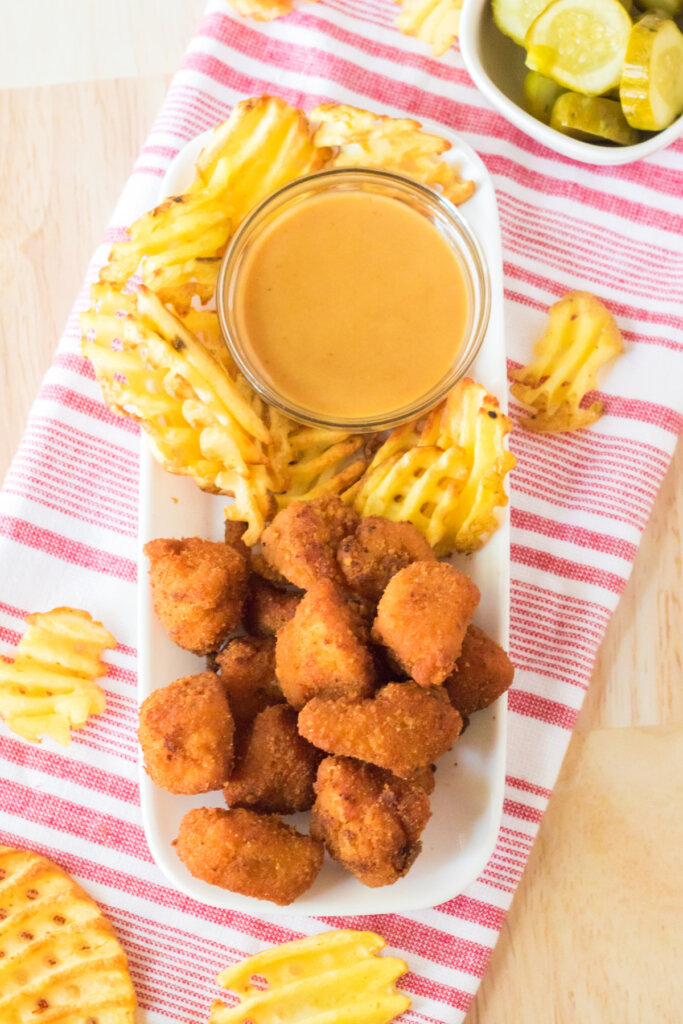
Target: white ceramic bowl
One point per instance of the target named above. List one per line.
(496, 65)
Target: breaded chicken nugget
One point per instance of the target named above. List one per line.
(376, 551)
(369, 819)
(302, 540)
(198, 590)
(253, 854)
(403, 728)
(320, 652)
(422, 618)
(268, 607)
(233, 532)
(247, 671)
(275, 767)
(482, 672)
(186, 734)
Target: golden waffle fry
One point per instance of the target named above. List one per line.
(361, 138)
(198, 420)
(444, 474)
(434, 22)
(264, 144)
(60, 959)
(261, 10)
(50, 688)
(336, 977)
(580, 337)
(321, 462)
(420, 486)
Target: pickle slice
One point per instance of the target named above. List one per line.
(540, 94)
(591, 119)
(513, 17)
(670, 7)
(580, 44)
(651, 89)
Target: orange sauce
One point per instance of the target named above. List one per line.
(352, 304)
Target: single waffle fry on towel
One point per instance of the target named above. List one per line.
(336, 977)
(445, 474)
(49, 688)
(264, 144)
(60, 959)
(580, 337)
(200, 422)
(361, 138)
(435, 22)
(261, 10)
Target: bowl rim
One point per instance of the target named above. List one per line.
(585, 152)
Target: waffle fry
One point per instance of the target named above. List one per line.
(580, 337)
(337, 977)
(434, 22)
(59, 956)
(198, 420)
(264, 144)
(50, 688)
(361, 138)
(444, 475)
(321, 462)
(261, 10)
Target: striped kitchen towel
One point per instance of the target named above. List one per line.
(68, 510)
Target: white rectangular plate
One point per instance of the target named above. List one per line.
(467, 801)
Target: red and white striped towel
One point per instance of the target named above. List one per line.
(579, 501)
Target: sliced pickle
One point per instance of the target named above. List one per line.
(651, 89)
(591, 119)
(513, 17)
(540, 94)
(670, 7)
(580, 44)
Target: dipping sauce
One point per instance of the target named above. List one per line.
(352, 304)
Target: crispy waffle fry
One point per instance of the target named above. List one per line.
(321, 462)
(59, 956)
(336, 977)
(434, 22)
(198, 420)
(50, 688)
(444, 475)
(361, 138)
(580, 337)
(263, 144)
(261, 10)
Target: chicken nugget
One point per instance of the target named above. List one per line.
(403, 728)
(376, 551)
(369, 819)
(253, 854)
(233, 532)
(320, 652)
(198, 590)
(268, 607)
(275, 767)
(247, 671)
(422, 618)
(482, 673)
(186, 733)
(302, 540)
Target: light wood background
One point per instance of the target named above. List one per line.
(592, 933)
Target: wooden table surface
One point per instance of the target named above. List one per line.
(595, 931)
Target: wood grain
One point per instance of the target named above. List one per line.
(68, 152)
(73, 147)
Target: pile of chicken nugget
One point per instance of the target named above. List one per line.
(342, 663)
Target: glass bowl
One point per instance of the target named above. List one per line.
(439, 211)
